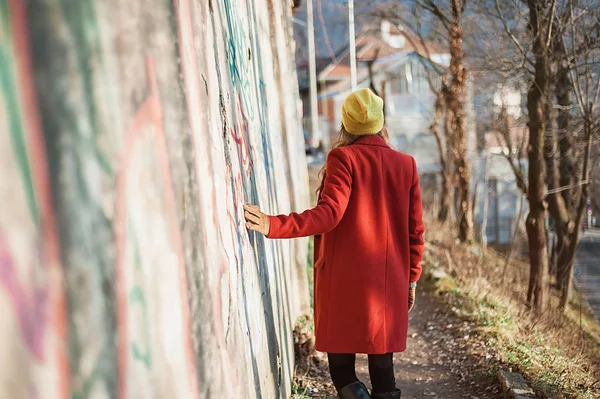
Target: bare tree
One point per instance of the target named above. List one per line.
(457, 106)
(530, 57)
(536, 219)
(451, 89)
(559, 55)
(514, 146)
(444, 143)
(580, 45)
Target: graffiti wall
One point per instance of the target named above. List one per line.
(131, 134)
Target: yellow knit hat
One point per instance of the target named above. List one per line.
(362, 113)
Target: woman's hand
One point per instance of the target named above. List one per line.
(256, 220)
(411, 298)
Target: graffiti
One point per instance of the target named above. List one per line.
(238, 55)
(82, 24)
(31, 307)
(38, 300)
(246, 100)
(149, 114)
(218, 282)
(267, 147)
(93, 152)
(99, 368)
(137, 297)
(240, 135)
(235, 196)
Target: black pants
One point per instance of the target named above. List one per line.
(381, 371)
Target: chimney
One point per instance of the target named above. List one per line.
(385, 31)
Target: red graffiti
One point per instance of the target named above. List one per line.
(149, 113)
(31, 306)
(41, 180)
(239, 132)
(190, 76)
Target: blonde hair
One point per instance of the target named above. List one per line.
(345, 138)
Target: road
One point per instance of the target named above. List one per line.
(587, 268)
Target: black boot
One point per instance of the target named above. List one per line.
(387, 395)
(356, 390)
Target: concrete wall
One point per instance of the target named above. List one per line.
(131, 134)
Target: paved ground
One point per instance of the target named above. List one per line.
(587, 268)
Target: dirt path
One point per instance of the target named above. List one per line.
(442, 360)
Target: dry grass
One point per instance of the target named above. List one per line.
(311, 375)
(558, 354)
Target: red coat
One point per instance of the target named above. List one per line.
(369, 217)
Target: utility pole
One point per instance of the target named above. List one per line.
(352, 44)
(312, 68)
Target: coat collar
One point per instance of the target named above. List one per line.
(372, 140)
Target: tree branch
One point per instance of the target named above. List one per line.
(435, 10)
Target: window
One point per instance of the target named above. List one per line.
(491, 230)
(408, 78)
(400, 83)
(421, 85)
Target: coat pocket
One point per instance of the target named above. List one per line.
(320, 263)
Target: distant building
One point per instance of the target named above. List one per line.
(392, 65)
(498, 200)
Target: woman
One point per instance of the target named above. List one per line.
(368, 232)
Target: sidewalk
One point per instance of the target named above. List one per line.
(587, 268)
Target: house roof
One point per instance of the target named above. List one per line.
(370, 47)
(338, 86)
(518, 135)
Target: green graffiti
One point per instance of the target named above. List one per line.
(238, 56)
(71, 130)
(136, 295)
(10, 94)
(80, 18)
(103, 364)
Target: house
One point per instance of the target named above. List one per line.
(500, 206)
(392, 63)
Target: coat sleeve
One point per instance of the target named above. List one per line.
(415, 227)
(330, 208)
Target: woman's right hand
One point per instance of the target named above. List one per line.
(256, 220)
(412, 293)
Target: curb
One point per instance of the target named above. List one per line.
(515, 386)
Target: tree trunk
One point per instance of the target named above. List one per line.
(557, 206)
(568, 272)
(445, 213)
(515, 164)
(536, 233)
(567, 175)
(371, 77)
(565, 144)
(456, 104)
